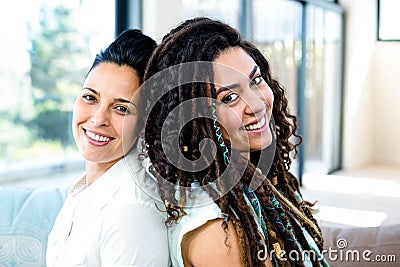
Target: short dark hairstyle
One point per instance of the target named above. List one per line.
(131, 48)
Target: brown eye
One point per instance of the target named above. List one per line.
(88, 98)
(230, 98)
(122, 109)
(257, 80)
(126, 110)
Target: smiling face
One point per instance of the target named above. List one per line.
(244, 101)
(105, 115)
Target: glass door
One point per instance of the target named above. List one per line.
(322, 90)
(303, 42)
(277, 32)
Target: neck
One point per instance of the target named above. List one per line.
(94, 170)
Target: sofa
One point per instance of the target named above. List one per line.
(27, 216)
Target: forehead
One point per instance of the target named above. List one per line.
(233, 64)
(113, 79)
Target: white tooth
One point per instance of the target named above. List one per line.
(97, 137)
(258, 125)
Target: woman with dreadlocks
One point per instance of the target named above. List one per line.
(233, 201)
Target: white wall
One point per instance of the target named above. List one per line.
(160, 16)
(386, 102)
(360, 43)
(372, 92)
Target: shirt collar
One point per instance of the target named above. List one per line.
(108, 184)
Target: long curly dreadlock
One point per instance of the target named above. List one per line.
(281, 207)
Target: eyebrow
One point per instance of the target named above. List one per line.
(253, 71)
(115, 100)
(235, 85)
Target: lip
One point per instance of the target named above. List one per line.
(95, 142)
(260, 130)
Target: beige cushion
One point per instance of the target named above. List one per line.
(357, 246)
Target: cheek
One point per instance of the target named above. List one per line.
(78, 117)
(129, 129)
(269, 96)
(78, 114)
(229, 118)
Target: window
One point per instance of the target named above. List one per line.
(46, 48)
(388, 20)
(277, 32)
(322, 91)
(303, 42)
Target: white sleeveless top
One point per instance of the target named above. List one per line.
(199, 209)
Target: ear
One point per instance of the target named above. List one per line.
(141, 144)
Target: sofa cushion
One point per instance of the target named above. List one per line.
(26, 218)
(362, 246)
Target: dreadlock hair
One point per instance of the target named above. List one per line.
(281, 205)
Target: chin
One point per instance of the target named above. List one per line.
(263, 144)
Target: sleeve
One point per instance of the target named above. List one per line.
(134, 235)
(200, 210)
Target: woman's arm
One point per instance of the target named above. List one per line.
(210, 245)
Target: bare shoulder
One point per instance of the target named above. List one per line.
(211, 245)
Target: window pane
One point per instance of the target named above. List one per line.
(389, 20)
(46, 50)
(322, 89)
(277, 32)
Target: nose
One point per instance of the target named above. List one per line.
(254, 101)
(100, 117)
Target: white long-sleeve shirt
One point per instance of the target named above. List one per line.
(112, 222)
